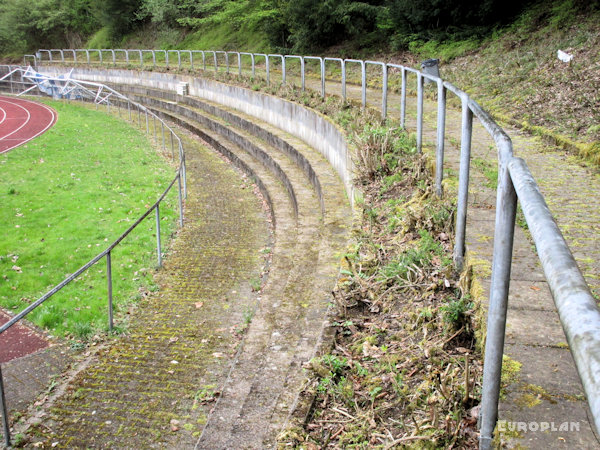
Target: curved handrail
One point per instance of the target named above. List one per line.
(513, 178)
(106, 253)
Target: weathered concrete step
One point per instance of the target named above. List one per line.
(316, 168)
(214, 133)
(253, 408)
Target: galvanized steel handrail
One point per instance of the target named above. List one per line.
(179, 176)
(572, 296)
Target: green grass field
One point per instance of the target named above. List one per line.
(64, 197)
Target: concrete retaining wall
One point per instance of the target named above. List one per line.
(313, 128)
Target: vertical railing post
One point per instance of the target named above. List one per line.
(463, 182)
(183, 166)
(162, 129)
(172, 147)
(403, 101)
(158, 246)
(147, 124)
(180, 200)
(283, 70)
(267, 64)
(322, 61)
(419, 112)
(302, 73)
(344, 80)
(110, 290)
(506, 207)
(364, 84)
(4, 410)
(441, 135)
(253, 65)
(239, 55)
(384, 91)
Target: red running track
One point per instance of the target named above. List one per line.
(21, 121)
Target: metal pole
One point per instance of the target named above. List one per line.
(506, 207)
(267, 63)
(403, 101)
(344, 80)
(463, 182)
(158, 247)
(441, 133)
(4, 412)
(110, 291)
(364, 84)
(322, 78)
(384, 91)
(147, 124)
(184, 175)
(180, 201)
(162, 127)
(239, 55)
(154, 128)
(302, 73)
(419, 113)
(129, 109)
(172, 147)
(283, 70)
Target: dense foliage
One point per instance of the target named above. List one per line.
(298, 25)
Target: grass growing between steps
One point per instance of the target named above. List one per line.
(65, 196)
(405, 369)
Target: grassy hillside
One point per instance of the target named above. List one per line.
(516, 73)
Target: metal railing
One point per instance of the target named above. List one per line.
(101, 95)
(577, 308)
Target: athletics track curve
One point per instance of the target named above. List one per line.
(21, 121)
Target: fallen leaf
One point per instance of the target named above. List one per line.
(199, 305)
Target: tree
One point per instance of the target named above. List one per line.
(118, 16)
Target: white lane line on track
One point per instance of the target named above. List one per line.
(3, 114)
(50, 123)
(24, 123)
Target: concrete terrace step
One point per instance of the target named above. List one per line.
(253, 408)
